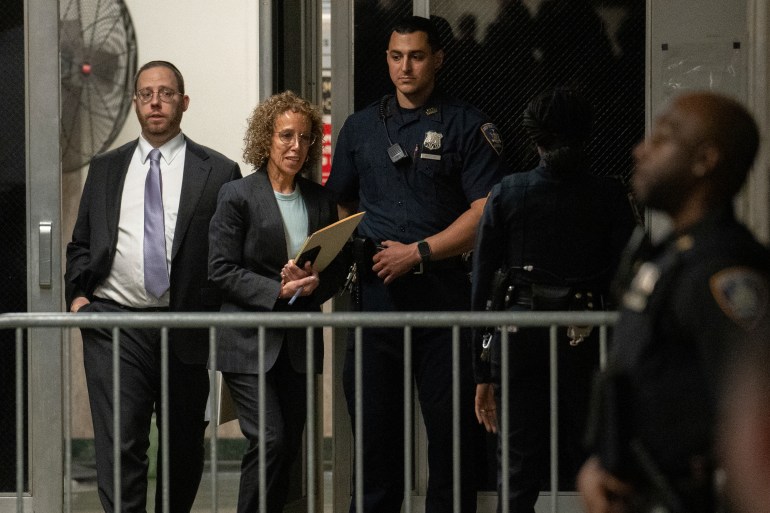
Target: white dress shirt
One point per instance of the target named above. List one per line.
(125, 283)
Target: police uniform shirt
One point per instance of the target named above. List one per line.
(686, 309)
(453, 159)
(569, 228)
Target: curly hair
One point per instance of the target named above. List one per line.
(259, 134)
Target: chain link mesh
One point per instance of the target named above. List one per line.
(500, 54)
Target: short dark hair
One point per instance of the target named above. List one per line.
(410, 24)
(162, 64)
(559, 117)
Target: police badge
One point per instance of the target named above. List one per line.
(432, 140)
(430, 145)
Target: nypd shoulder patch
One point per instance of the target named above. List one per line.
(742, 294)
(492, 135)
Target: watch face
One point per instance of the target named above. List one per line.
(424, 250)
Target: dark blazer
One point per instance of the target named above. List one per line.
(247, 250)
(94, 239)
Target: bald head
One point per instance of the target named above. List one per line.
(697, 157)
(714, 119)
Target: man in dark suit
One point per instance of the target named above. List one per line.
(113, 266)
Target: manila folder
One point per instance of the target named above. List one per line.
(321, 247)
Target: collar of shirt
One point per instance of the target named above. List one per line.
(431, 110)
(168, 152)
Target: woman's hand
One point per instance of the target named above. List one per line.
(294, 278)
(486, 407)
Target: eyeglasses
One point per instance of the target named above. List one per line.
(287, 137)
(165, 95)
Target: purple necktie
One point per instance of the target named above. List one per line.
(155, 269)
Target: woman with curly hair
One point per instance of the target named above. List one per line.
(261, 221)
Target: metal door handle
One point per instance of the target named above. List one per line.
(44, 254)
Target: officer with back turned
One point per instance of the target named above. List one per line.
(556, 232)
(420, 164)
(685, 302)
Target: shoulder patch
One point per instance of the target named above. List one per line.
(742, 294)
(492, 135)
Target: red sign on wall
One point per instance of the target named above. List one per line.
(326, 150)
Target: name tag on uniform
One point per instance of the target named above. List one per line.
(430, 156)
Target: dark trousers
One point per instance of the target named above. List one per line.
(285, 411)
(528, 407)
(140, 396)
(383, 399)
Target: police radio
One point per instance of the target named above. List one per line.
(395, 151)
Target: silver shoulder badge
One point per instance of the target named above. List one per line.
(640, 290)
(742, 294)
(492, 135)
(432, 140)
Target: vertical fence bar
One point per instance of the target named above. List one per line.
(603, 346)
(554, 385)
(359, 438)
(19, 420)
(116, 434)
(456, 418)
(504, 428)
(310, 418)
(408, 432)
(261, 413)
(164, 434)
(215, 406)
(67, 422)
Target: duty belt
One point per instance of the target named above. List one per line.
(553, 298)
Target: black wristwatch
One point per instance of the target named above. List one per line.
(424, 249)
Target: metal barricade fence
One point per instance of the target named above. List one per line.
(355, 320)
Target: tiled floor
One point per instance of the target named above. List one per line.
(86, 500)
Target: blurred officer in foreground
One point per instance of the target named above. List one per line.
(685, 303)
(549, 239)
(744, 435)
(421, 165)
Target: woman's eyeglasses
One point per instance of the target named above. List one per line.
(287, 137)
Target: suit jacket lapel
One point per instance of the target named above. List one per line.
(265, 198)
(196, 174)
(113, 192)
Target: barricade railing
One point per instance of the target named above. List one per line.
(261, 321)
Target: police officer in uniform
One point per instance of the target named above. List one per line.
(686, 302)
(556, 233)
(420, 164)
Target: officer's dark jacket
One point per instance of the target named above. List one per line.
(688, 303)
(568, 226)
